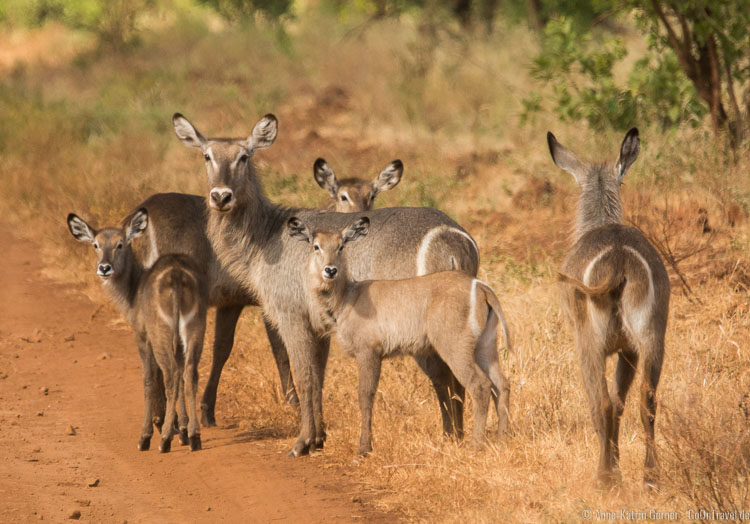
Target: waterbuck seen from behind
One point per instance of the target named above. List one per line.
(615, 293)
(249, 236)
(166, 306)
(450, 313)
(177, 225)
(352, 195)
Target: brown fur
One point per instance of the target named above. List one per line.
(615, 293)
(449, 313)
(166, 306)
(249, 237)
(177, 224)
(352, 195)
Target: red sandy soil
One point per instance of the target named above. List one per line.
(61, 365)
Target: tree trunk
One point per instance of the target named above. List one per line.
(534, 10)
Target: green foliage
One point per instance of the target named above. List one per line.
(581, 71)
(584, 84)
(112, 21)
(246, 9)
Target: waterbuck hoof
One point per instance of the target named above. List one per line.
(650, 481)
(300, 449)
(144, 444)
(184, 437)
(208, 419)
(195, 443)
(608, 480)
(165, 446)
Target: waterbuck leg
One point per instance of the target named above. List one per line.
(626, 366)
(226, 322)
(450, 393)
(595, 383)
(281, 357)
(368, 364)
(651, 373)
(172, 384)
(301, 346)
(151, 393)
(321, 354)
(182, 414)
(190, 381)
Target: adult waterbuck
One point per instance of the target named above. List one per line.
(615, 292)
(166, 306)
(351, 195)
(177, 224)
(449, 313)
(248, 234)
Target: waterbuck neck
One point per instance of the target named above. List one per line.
(599, 203)
(123, 287)
(332, 299)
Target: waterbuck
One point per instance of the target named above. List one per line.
(177, 224)
(615, 292)
(352, 195)
(450, 313)
(166, 306)
(248, 234)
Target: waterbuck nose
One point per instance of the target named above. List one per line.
(104, 270)
(221, 197)
(330, 271)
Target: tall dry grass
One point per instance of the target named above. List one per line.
(92, 134)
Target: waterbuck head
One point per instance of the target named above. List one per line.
(228, 160)
(112, 245)
(326, 264)
(352, 195)
(599, 203)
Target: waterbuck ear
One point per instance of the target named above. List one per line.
(297, 229)
(565, 159)
(187, 132)
(80, 230)
(358, 229)
(264, 133)
(325, 177)
(629, 149)
(388, 178)
(138, 224)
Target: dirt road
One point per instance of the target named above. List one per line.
(61, 365)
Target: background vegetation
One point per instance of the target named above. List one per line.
(463, 92)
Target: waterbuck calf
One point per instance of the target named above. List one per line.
(177, 225)
(449, 312)
(615, 292)
(352, 195)
(248, 234)
(166, 306)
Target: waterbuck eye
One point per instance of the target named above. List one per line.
(96, 245)
(242, 158)
(208, 158)
(119, 245)
(344, 199)
(316, 247)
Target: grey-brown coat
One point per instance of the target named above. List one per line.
(248, 234)
(448, 313)
(352, 195)
(166, 307)
(615, 292)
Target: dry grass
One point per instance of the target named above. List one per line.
(92, 135)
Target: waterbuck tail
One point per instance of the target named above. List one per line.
(609, 285)
(494, 305)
